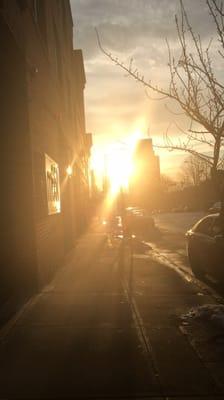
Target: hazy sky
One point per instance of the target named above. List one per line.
(116, 106)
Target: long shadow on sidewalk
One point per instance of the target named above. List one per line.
(77, 338)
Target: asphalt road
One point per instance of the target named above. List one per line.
(173, 227)
(172, 244)
(177, 223)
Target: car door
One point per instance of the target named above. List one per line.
(216, 266)
(204, 243)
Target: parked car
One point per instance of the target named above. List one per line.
(205, 247)
(113, 224)
(139, 221)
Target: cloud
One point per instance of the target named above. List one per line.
(133, 28)
(124, 26)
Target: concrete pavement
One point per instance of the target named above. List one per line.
(77, 338)
(84, 336)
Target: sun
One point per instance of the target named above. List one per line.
(119, 169)
(115, 161)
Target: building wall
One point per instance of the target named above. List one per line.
(18, 270)
(42, 32)
(83, 143)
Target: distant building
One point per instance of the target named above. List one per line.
(42, 80)
(145, 182)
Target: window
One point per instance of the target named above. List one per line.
(53, 186)
(204, 227)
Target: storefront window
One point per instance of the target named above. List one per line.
(53, 186)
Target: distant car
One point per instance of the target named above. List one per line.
(205, 247)
(113, 224)
(139, 221)
(215, 208)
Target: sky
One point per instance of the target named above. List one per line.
(117, 107)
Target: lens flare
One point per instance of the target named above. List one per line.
(115, 161)
(119, 169)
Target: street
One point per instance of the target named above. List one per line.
(177, 222)
(89, 334)
(102, 295)
(170, 247)
(173, 226)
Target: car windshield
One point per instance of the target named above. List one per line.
(211, 226)
(204, 226)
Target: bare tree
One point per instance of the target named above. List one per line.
(194, 86)
(194, 171)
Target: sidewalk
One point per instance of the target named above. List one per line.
(82, 337)
(77, 338)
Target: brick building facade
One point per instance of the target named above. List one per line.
(42, 133)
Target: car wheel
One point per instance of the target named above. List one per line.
(195, 264)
